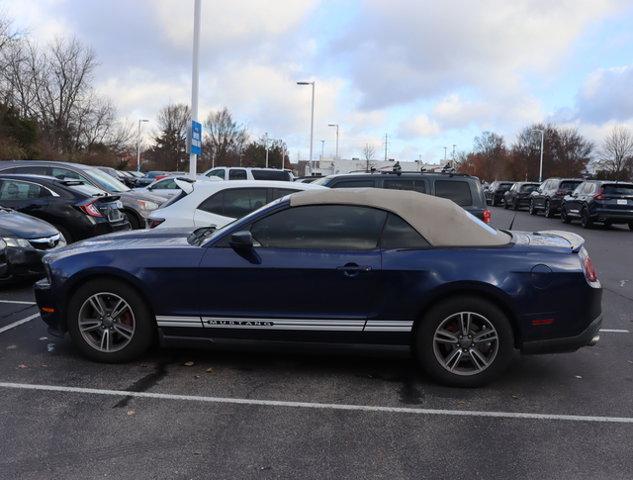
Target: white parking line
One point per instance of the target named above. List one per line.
(19, 322)
(319, 406)
(18, 302)
(614, 330)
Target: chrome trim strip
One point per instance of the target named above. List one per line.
(178, 321)
(283, 324)
(388, 326)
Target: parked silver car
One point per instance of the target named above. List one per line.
(136, 205)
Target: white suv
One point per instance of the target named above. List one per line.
(204, 203)
(244, 173)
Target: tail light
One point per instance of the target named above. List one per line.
(590, 271)
(599, 195)
(90, 209)
(560, 193)
(155, 222)
(487, 216)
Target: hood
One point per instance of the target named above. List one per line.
(15, 224)
(565, 241)
(128, 240)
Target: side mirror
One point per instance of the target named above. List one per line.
(242, 240)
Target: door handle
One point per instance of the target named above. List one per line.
(353, 269)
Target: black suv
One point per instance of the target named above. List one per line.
(549, 195)
(601, 201)
(462, 189)
(519, 195)
(496, 190)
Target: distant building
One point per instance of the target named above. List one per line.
(343, 165)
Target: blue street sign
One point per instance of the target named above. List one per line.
(196, 138)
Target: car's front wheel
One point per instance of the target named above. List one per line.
(464, 342)
(531, 208)
(506, 205)
(563, 215)
(548, 210)
(109, 321)
(585, 219)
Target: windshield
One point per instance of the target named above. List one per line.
(105, 181)
(322, 180)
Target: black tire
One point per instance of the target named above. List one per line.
(608, 224)
(531, 208)
(505, 204)
(563, 215)
(64, 231)
(515, 205)
(494, 201)
(548, 211)
(585, 219)
(144, 330)
(135, 223)
(424, 341)
(631, 226)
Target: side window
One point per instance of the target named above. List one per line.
(17, 190)
(330, 227)
(63, 173)
(280, 175)
(239, 202)
(399, 234)
(218, 172)
(237, 174)
(214, 204)
(353, 184)
(405, 184)
(455, 190)
(282, 192)
(33, 170)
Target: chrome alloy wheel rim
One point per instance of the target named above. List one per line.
(106, 322)
(465, 343)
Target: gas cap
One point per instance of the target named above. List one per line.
(540, 276)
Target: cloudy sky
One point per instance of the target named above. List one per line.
(428, 73)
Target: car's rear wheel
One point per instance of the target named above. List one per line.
(585, 219)
(131, 217)
(548, 210)
(531, 209)
(64, 231)
(506, 205)
(109, 321)
(464, 342)
(563, 215)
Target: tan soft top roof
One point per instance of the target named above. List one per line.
(442, 222)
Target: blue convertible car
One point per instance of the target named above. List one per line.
(345, 267)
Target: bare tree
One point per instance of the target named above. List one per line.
(368, 152)
(225, 138)
(616, 155)
(170, 149)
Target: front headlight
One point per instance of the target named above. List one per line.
(16, 242)
(147, 205)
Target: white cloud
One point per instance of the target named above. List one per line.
(420, 126)
(606, 95)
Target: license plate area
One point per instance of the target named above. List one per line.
(622, 202)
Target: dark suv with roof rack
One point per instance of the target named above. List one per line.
(462, 189)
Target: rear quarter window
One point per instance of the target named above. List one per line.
(618, 190)
(352, 183)
(456, 190)
(568, 185)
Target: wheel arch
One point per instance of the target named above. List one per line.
(137, 217)
(76, 281)
(485, 291)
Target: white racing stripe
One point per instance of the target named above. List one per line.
(614, 330)
(320, 406)
(19, 322)
(17, 302)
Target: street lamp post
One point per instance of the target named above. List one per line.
(266, 140)
(138, 144)
(336, 126)
(540, 170)
(322, 149)
(311, 121)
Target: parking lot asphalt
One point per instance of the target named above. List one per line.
(209, 414)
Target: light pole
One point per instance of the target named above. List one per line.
(322, 149)
(540, 170)
(138, 144)
(311, 120)
(336, 126)
(266, 140)
(444, 154)
(193, 158)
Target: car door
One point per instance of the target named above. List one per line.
(540, 194)
(313, 272)
(26, 197)
(572, 201)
